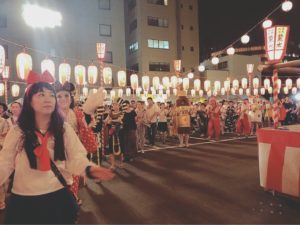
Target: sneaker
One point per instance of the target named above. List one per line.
(2, 205)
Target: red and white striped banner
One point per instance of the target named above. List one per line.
(279, 160)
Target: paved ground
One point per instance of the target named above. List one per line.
(210, 182)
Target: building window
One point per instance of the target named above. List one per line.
(191, 28)
(3, 21)
(158, 2)
(158, 44)
(105, 30)
(157, 22)
(131, 4)
(192, 49)
(133, 47)
(104, 4)
(133, 26)
(108, 57)
(190, 7)
(159, 66)
(223, 65)
(135, 68)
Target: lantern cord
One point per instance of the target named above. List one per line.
(252, 28)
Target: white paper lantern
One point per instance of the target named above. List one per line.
(248, 92)
(227, 85)
(197, 84)
(262, 91)
(235, 84)
(215, 60)
(173, 82)
(245, 39)
(287, 6)
(241, 91)
(289, 83)
(168, 93)
(294, 90)
(128, 92)
(270, 90)
(298, 83)
(48, 64)
(190, 75)
(112, 94)
(146, 83)
(223, 91)
(233, 90)
(255, 83)
(134, 81)
(166, 82)
(193, 93)
(286, 90)
(267, 83)
(217, 86)
(230, 51)
(155, 83)
(279, 84)
(267, 23)
(107, 75)
(207, 85)
(85, 92)
(64, 71)
(186, 84)
(80, 75)
(201, 68)
(92, 74)
(209, 93)
(15, 90)
(120, 93)
(201, 93)
(122, 78)
(255, 92)
(244, 83)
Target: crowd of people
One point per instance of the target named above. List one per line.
(50, 130)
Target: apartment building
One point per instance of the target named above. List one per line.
(84, 23)
(160, 31)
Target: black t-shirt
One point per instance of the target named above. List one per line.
(129, 120)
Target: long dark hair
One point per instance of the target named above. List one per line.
(26, 122)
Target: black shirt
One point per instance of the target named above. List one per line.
(129, 120)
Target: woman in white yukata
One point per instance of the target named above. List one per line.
(40, 143)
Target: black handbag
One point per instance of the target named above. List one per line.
(72, 214)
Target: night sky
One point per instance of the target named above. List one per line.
(224, 21)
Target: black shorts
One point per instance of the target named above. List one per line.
(162, 126)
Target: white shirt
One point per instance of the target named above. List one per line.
(32, 182)
(150, 113)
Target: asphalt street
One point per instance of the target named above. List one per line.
(207, 183)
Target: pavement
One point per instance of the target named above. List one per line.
(207, 183)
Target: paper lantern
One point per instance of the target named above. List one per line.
(276, 39)
(286, 90)
(80, 74)
(250, 68)
(235, 84)
(262, 91)
(255, 83)
(267, 23)
(190, 75)
(223, 91)
(227, 85)
(160, 92)
(177, 66)
(207, 85)
(289, 83)
(209, 93)
(120, 93)
(279, 84)
(2, 58)
(197, 84)
(255, 92)
(201, 68)
(168, 92)
(153, 92)
(245, 39)
(94, 90)
(298, 83)
(85, 92)
(294, 90)
(166, 82)
(100, 47)
(175, 91)
(287, 6)
(48, 64)
(179, 80)
(138, 92)
(2, 89)
(107, 75)
(215, 60)
(64, 71)
(146, 83)
(112, 94)
(134, 81)
(122, 78)
(173, 82)
(92, 74)
(244, 83)
(186, 83)
(15, 90)
(24, 65)
(128, 92)
(230, 51)
(193, 93)
(248, 92)
(241, 91)
(217, 86)
(155, 83)
(6, 73)
(233, 90)
(267, 83)
(201, 93)
(270, 90)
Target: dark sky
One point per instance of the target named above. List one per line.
(224, 21)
